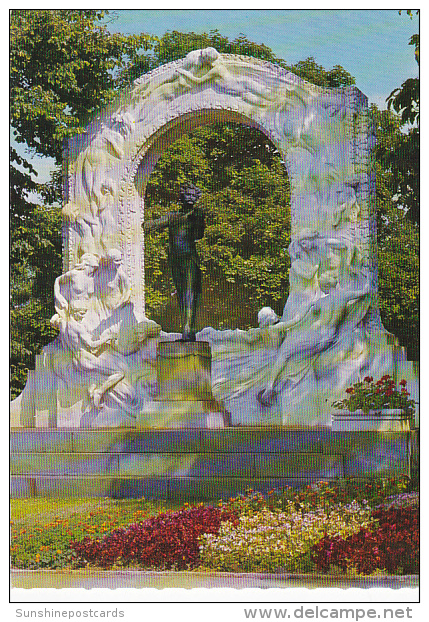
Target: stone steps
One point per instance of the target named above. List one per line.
(199, 464)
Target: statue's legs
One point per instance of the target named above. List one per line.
(187, 279)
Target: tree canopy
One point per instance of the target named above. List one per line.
(404, 162)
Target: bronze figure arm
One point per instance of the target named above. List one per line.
(165, 221)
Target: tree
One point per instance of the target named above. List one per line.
(405, 162)
(398, 239)
(64, 65)
(398, 209)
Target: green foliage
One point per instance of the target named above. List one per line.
(246, 203)
(397, 232)
(174, 45)
(29, 330)
(405, 163)
(311, 71)
(398, 270)
(64, 65)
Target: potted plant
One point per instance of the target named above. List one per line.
(377, 405)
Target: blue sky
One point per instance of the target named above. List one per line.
(371, 44)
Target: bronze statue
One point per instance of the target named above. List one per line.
(185, 227)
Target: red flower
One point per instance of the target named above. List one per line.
(164, 541)
(368, 379)
(349, 390)
(403, 383)
(393, 544)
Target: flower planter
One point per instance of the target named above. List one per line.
(386, 420)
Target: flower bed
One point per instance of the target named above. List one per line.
(314, 529)
(169, 540)
(44, 541)
(391, 543)
(269, 541)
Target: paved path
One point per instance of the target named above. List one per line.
(88, 579)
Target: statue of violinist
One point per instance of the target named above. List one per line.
(184, 227)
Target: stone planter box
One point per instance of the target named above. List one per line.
(386, 420)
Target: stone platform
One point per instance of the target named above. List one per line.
(197, 464)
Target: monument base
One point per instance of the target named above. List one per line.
(178, 415)
(201, 465)
(184, 397)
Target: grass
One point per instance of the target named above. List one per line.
(37, 512)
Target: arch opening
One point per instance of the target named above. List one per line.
(246, 201)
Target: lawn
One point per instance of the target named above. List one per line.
(34, 512)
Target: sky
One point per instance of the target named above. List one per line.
(371, 44)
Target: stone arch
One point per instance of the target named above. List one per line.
(323, 134)
(163, 139)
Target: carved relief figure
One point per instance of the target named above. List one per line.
(76, 284)
(78, 340)
(315, 268)
(214, 70)
(111, 287)
(313, 331)
(167, 85)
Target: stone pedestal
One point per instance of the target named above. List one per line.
(183, 371)
(200, 465)
(184, 398)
